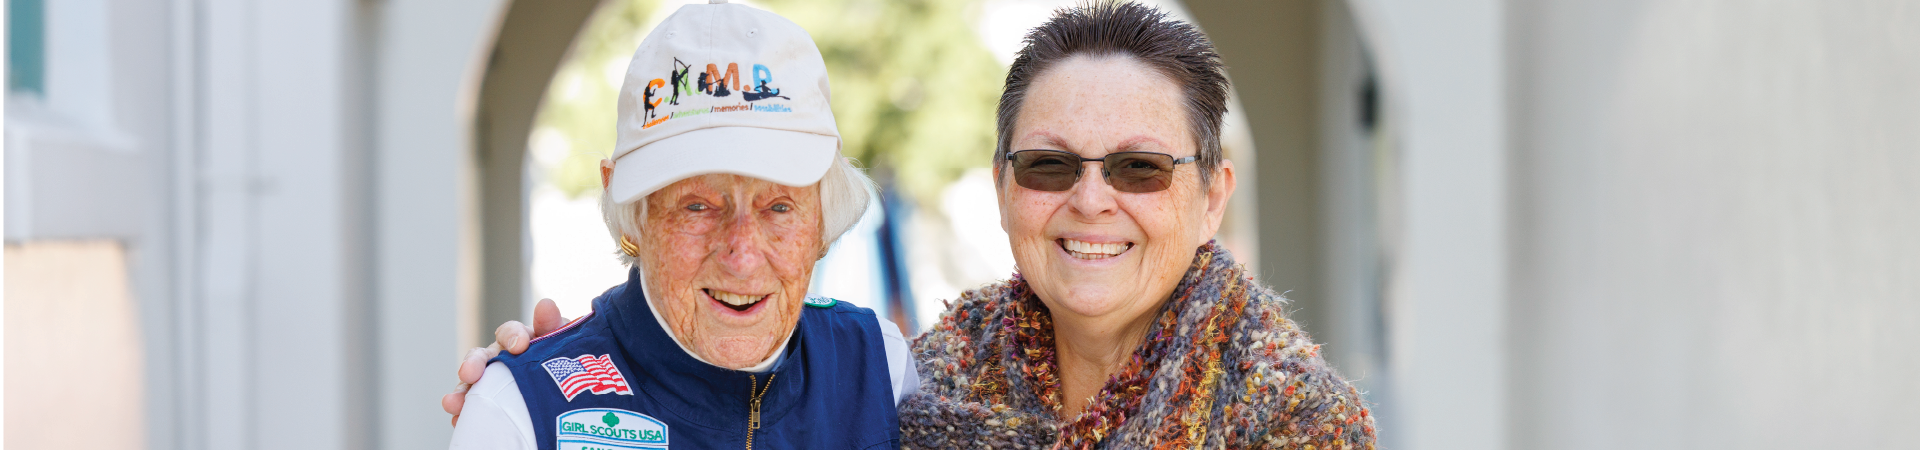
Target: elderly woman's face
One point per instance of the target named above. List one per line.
(729, 258)
(1092, 251)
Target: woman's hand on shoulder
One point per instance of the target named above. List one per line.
(513, 337)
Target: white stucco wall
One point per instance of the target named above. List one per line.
(1715, 216)
(1443, 66)
(290, 181)
(429, 59)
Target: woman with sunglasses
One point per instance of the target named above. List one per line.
(1126, 326)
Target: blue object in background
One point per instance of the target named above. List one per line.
(27, 46)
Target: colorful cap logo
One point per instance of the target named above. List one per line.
(722, 88)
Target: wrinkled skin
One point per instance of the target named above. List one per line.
(705, 236)
(1103, 300)
(715, 234)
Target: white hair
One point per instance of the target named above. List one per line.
(844, 197)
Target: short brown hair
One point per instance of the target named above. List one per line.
(1176, 49)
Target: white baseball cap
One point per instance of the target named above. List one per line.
(721, 88)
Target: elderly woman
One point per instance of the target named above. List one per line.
(1126, 326)
(721, 196)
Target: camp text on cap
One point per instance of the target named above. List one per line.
(722, 88)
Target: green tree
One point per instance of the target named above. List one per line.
(580, 103)
(913, 88)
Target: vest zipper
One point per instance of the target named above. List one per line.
(753, 416)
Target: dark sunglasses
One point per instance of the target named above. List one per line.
(1055, 171)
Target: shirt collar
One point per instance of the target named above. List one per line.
(763, 366)
(702, 392)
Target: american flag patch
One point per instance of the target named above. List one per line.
(587, 373)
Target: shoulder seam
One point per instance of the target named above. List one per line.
(559, 338)
(564, 328)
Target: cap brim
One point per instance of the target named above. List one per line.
(790, 158)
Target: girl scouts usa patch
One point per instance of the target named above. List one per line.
(608, 428)
(820, 302)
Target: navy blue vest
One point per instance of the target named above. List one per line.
(831, 392)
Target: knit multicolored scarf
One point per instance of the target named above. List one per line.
(1221, 366)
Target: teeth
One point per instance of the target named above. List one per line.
(1089, 250)
(735, 299)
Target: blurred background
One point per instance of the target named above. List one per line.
(1515, 224)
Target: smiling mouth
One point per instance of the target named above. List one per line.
(1089, 250)
(736, 302)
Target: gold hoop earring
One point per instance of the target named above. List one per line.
(627, 246)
